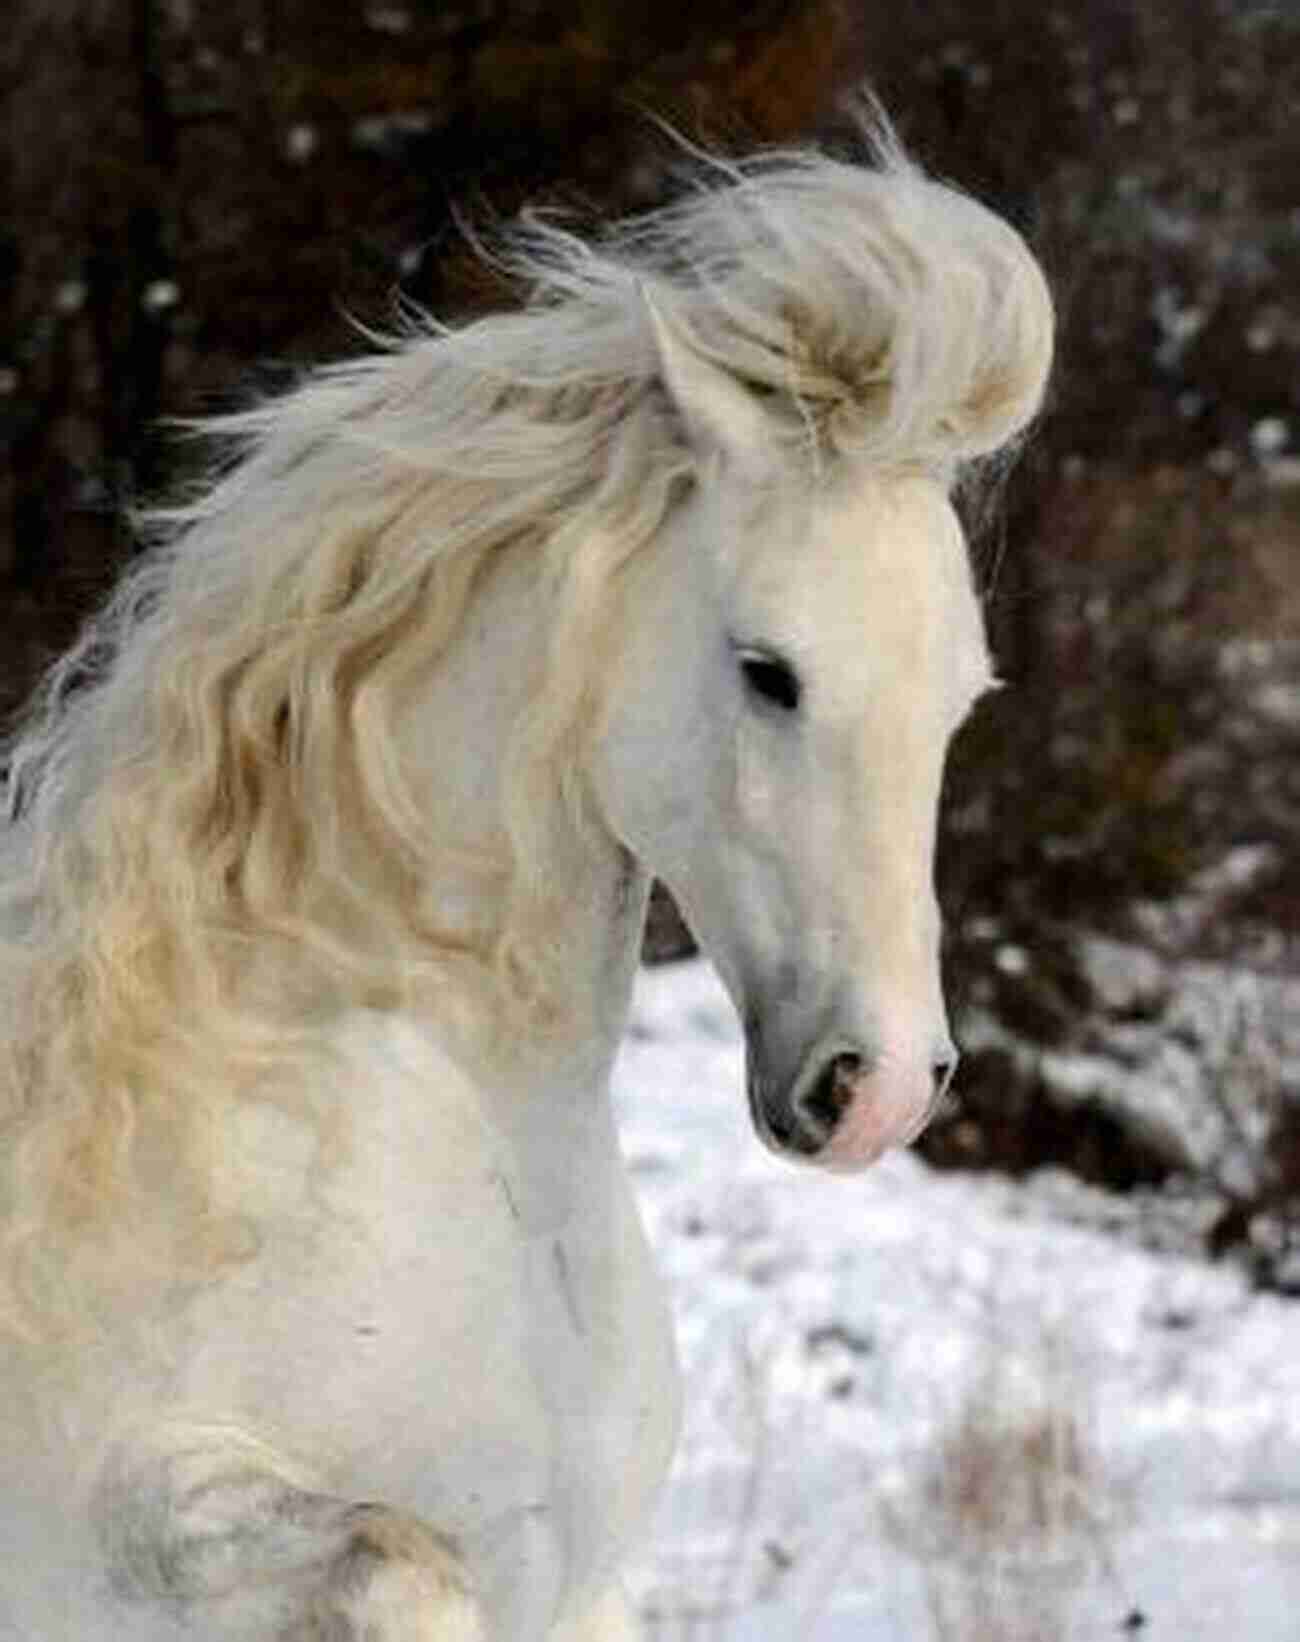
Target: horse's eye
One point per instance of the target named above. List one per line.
(771, 679)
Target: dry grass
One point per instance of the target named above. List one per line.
(1009, 1514)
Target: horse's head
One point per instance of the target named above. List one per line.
(799, 652)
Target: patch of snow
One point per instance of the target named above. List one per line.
(301, 143)
(1124, 979)
(378, 133)
(159, 295)
(388, 19)
(1269, 437)
(70, 296)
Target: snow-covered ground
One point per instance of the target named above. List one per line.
(930, 1406)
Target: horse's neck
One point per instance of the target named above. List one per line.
(474, 699)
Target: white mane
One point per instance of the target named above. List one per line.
(212, 845)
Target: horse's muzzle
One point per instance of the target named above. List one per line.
(846, 1107)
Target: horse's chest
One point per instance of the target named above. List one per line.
(524, 1366)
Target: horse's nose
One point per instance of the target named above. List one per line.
(860, 1104)
(824, 1102)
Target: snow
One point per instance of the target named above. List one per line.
(869, 1361)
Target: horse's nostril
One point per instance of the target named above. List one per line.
(830, 1096)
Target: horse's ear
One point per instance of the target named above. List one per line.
(720, 416)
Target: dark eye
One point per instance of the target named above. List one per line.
(771, 679)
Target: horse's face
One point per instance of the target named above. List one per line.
(795, 666)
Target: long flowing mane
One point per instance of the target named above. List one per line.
(212, 849)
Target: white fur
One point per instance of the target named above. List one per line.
(325, 1308)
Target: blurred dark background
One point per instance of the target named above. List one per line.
(199, 199)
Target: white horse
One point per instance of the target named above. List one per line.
(325, 1311)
